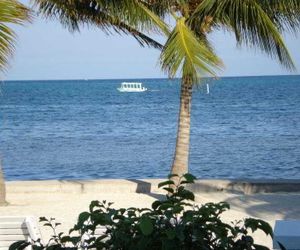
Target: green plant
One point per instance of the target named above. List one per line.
(172, 223)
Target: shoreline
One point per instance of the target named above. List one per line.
(244, 186)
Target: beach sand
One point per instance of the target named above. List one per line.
(64, 200)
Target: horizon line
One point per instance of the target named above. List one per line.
(142, 78)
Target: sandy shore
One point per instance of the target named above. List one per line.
(64, 200)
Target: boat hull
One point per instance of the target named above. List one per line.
(132, 90)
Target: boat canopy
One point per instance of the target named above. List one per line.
(131, 85)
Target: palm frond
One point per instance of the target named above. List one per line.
(124, 17)
(156, 19)
(160, 8)
(183, 50)
(11, 12)
(251, 25)
(285, 14)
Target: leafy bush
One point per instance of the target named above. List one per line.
(173, 223)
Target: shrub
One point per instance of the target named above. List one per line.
(173, 223)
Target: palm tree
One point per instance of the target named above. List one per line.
(11, 12)
(255, 23)
(2, 187)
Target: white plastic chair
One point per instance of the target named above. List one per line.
(13, 228)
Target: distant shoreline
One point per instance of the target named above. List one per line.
(154, 78)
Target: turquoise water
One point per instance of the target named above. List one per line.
(247, 127)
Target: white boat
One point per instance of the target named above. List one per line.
(132, 87)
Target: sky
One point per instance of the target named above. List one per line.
(45, 50)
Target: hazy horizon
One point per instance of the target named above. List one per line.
(140, 78)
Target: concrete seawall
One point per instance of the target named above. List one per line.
(150, 186)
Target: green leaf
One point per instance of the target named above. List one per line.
(170, 234)
(142, 244)
(169, 244)
(177, 209)
(187, 195)
(101, 237)
(42, 219)
(188, 216)
(89, 241)
(255, 224)
(65, 239)
(260, 247)
(75, 240)
(165, 183)
(184, 182)
(165, 205)
(99, 244)
(94, 204)
(170, 176)
(156, 204)
(82, 218)
(189, 178)
(35, 247)
(146, 226)
(169, 190)
(54, 247)
(223, 206)
(19, 245)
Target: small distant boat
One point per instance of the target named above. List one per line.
(132, 87)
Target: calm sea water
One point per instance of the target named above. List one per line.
(246, 127)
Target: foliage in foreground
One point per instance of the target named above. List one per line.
(173, 223)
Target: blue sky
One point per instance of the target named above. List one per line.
(46, 50)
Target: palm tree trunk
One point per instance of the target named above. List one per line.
(2, 187)
(181, 157)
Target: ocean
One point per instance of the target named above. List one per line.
(246, 127)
